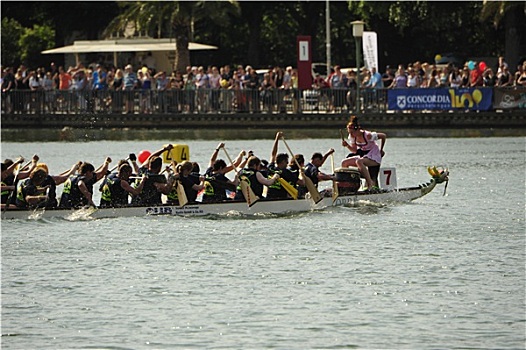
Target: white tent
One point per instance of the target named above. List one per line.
(123, 45)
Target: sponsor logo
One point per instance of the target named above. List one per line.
(459, 101)
(400, 101)
(507, 101)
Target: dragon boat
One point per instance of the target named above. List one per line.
(347, 191)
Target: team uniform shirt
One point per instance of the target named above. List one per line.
(113, 195)
(215, 186)
(249, 175)
(312, 171)
(188, 182)
(276, 190)
(149, 194)
(72, 197)
(28, 188)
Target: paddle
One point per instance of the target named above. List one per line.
(335, 192)
(315, 195)
(248, 193)
(8, 202)
(181, 194)
(289, 188)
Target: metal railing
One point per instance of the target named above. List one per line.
(42, 102)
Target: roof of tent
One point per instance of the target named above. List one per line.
(124, 45)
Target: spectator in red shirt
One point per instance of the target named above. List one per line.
(475, 76)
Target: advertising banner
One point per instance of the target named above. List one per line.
(370, 50)
(440, 99)
(509, 98)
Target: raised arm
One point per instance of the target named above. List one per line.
(214, 155)
(157, 154)
(350, 146)
(24, 174)
(133, 160)
(103, 169)
(62, 177)
(326, 155)
(238, 162)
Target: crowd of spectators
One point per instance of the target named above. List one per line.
(212, 89)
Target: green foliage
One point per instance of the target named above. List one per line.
(33, 41)
(11, 33)
(263, 33)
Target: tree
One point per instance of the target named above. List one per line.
(35, 40)
(512, 15)
(172, 18)
(11, 33)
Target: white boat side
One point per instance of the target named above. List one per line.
(283, 206)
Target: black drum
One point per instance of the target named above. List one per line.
(348, 180)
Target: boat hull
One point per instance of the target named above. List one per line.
(225, 208)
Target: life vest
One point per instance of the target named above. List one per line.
(149, 194)
(22, 192)
(5, 193)
(276, 190)
(249, 175)
(112, 192)
(215, 186)
(72, 196)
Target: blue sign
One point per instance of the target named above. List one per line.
(479, 98)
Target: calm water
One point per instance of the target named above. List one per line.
(443, 272)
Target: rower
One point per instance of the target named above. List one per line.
(191, 181)
(31, 192)
(78, 191)
(278, 165)
(216, 183)
(117, 188)
(52, 181)
(254, 177)
(155, 184)
(312, 170)
(10, 181)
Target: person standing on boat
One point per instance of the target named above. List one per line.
(278, 165)
(116, 190)
(255, 179)
(78, 191)
(364, 150)
(312, 170)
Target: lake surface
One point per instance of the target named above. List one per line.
(442, 272)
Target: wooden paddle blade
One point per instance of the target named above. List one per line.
(181, 194)
(313, 191)
(335, 192)
(249, 194)
(289, 188)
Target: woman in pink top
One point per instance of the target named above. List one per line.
(364, 150)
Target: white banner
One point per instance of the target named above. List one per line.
(370, 50)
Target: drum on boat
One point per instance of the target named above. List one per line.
(348, 180)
